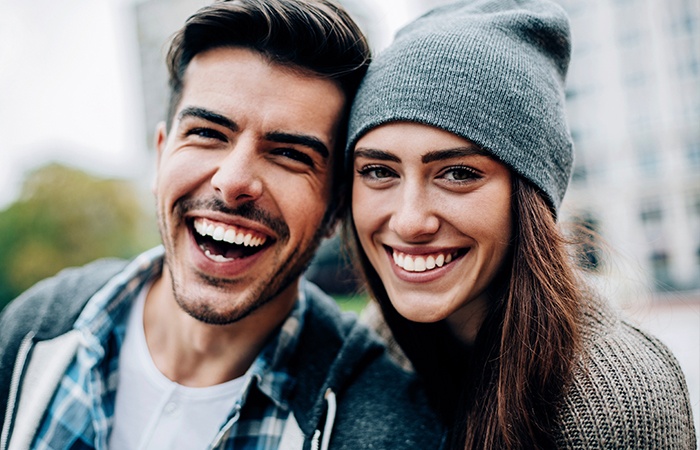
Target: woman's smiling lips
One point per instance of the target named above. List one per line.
(421, 265)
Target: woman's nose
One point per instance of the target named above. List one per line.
(414, 218)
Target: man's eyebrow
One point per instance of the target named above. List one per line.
(371, 153)
(449, 153)
(299, 139)
(211, 116)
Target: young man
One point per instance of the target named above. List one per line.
(213, 340)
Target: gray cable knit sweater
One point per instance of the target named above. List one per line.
(628, 390)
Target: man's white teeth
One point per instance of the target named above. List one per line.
(420, 263)
(215, 257)
(227, 234)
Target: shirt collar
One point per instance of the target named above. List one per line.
(107, 310)
(108, 307)
(270, 370)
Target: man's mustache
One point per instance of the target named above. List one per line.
(248, 210)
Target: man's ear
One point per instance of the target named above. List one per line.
(160, 139)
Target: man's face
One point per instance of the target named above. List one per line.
(243, 182)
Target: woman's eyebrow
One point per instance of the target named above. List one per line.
(449, 153)
(371, 153)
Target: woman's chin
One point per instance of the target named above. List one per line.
(419, 311)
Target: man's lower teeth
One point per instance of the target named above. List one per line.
(217, 258)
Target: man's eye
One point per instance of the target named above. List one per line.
(295, 155)
(206, 133)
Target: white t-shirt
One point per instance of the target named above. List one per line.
(152, 412)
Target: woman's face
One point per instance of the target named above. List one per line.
(432, 212)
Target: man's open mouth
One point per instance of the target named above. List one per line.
(222, 243)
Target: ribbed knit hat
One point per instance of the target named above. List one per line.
(491, 71)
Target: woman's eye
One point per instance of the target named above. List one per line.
(375, 172)
(460, 174)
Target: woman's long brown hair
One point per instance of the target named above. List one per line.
(503, 391)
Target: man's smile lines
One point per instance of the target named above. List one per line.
(422, 263)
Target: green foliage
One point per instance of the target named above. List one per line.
(354, 303)
(65, 217)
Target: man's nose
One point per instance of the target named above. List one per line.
(237, 179)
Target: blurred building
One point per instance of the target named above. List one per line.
(633, 100)
(156, 21)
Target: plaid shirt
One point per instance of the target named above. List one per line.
(81, 412)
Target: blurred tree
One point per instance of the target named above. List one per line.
(65, 217)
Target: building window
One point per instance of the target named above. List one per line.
(661, 270)
(693, 153)
(579, 175)
(587, 241)
(694, 205)
(648, 157)
(650, 212)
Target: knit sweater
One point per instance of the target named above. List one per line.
(628, 390)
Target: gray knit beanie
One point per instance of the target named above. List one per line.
(491, 71)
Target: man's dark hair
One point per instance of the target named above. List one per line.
(317, 36)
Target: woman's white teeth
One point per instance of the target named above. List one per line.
(440, 260)
(420, 263)
(227, 234)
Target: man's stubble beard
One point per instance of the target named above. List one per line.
(268, 288)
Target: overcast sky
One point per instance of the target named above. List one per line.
(65, 89)
(68, 90)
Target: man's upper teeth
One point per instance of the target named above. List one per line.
(421, 263)
(227, 233)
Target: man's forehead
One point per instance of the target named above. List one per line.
(239, 82)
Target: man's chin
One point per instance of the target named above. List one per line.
(205, 312)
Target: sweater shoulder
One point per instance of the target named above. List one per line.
(379, 404)
(386, 407)
(48, 309)
(53, 304)
(628, 391)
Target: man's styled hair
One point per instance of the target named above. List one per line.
(314, 36)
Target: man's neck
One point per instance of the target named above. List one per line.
(197, 354)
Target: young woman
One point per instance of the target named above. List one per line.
(460, 155)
